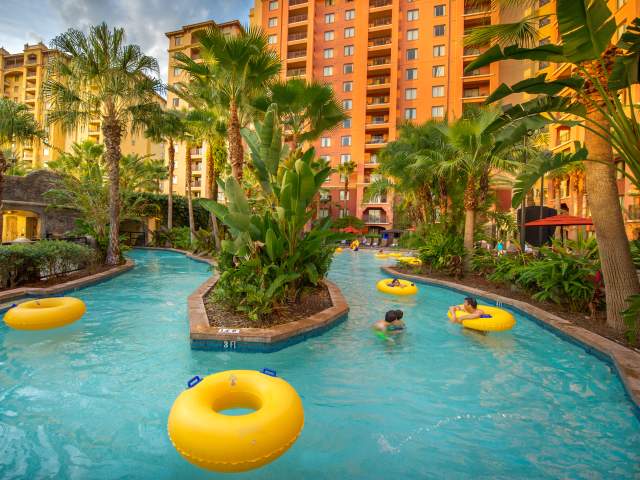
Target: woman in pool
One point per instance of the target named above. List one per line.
(395, 283)
(392, 322)
(468, 311)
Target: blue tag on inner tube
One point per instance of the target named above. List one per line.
(485, 315)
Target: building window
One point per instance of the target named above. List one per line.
(273, 22)
(412, 74)
(438, 30)
(325, 158)
(438, 51)
(327, 71)
(412, 15)
(346, 123)
(410, 113)
(412, 34)
(347, 104)
(437, 111)
(329, 3)
(329, 18)
(349, 32)
(437, 71)
(439, 11)
(544, 21)
(178, 41)
(347, 68)
(621, 3)
(328, 53)
(345, 141)
(345, 158)
(347, 86)
(412, 53)
(324, 212)
(273, 5)
(348, 50)
(410, 93)
(564, 135)
(373, 158)
(329, 35)
(325, 142)
(273, 39)
(437, 91)
(342, 195)
(176, 102)
(174, 180)
(176, 71)
(350, 14)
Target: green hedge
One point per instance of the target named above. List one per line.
(29, 262)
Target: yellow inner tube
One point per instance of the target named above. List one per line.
(226, 443)
(405, 288)
(395, 254)
(45, 313)
(410, 260)
(338, 250)
(499, 320)
(381, 255)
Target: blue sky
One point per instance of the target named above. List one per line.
(145, 21)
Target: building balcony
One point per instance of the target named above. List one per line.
(297, 3)
(375, 219)
(380, 5)
(377, 120)
(477, 10)
(196, 167)
(296, 38)
(196, 152)
(469, 52)
(296, 72)
(196, 184)
(378, 102)
(380, 43)
(380, 23)
(633, 213)
(377, 200)
(14, 63)
(298, 19)
(296, 54)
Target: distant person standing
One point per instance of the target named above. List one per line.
(500, 247)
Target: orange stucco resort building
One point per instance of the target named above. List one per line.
(185, 40)
(389, 61)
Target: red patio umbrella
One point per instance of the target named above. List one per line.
(350, 229)
(559, 221)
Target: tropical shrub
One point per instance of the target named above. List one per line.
(270, 258)
(483, 261)
(635, 252)
(410, 240)
(29, 262)
(443, 251)
(631, 318)
(507, 267)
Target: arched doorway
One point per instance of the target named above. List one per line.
(18, 224)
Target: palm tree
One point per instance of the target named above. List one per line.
(168, 126)
(345, 170)
(236, 69)
(306, 109)
(16, 125)
(475, 155)
(592, 93)
(98, 76)
(187, 158)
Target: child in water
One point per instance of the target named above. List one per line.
(392, 322)
(468, 311)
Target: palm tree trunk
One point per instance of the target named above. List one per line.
(235, 143)
(620, 278)
(212, 192)
(188, 185)
(557, 204)
(3, 169)
(172, 156)
(112, 132)
(470, 205)
(346, 195)
(215, 229)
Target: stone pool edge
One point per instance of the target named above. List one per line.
(625, 360)
(263, 340)
(18, 293)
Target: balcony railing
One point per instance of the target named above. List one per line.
(375, 218)
(378, 80)
(298, 18)
(376, 139)
(296, 72)
(296, 54)
(196, 151)
(633, 212)
(374, 62)
(13, 63)
(471, 51)
(486, 8)
(379, 3)
(297, 36)
(196, 167)
(473, 93)
(293, 3)
(379, 22)
(377, 100)
(376, 42)
(196, 184)
(378, 199)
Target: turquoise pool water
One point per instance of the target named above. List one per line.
(91, 400)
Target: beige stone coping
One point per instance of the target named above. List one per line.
(200, 330)
(16, 293)
(626, 360)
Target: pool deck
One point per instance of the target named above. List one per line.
(25, 292)
(625, 360)
(205, 337)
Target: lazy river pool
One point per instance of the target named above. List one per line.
(91, 400)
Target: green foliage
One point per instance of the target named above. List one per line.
(269, 258)
(483, 261)
(410, 240)
(156, 204)
(348, 221)
(442, 252)
(631, 317)
(26, 263)
(635, 252)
